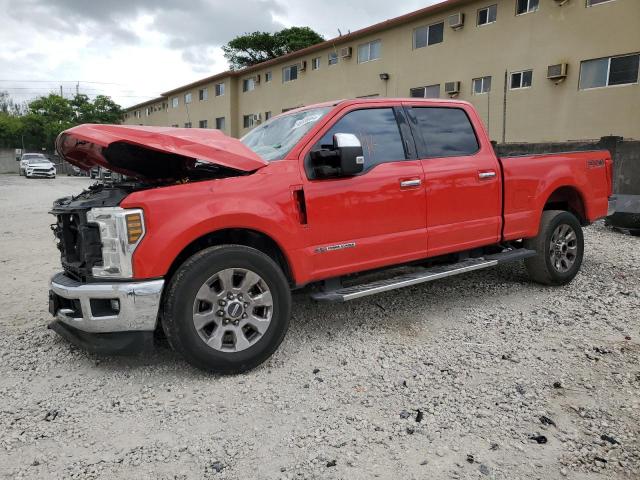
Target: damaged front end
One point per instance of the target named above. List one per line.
(90, 229)
(96, 301)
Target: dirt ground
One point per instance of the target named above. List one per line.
(480, 376)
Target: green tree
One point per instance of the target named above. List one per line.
(11, 127)
(37, 125)
(257, 47)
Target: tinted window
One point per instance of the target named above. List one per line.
(378, 132)
(624, 70)
(447, 132)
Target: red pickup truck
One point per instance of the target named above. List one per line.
(206, 236)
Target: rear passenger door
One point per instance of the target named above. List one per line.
(462, 178)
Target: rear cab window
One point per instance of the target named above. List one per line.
(444, 131)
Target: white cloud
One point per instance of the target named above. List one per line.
(133, 50)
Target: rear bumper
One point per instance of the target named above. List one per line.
(613, 203)
(627, 212)
(87, 307)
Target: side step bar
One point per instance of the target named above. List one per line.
(427, 275)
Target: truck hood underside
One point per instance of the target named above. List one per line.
(155, 153)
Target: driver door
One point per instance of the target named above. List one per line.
(377, 217)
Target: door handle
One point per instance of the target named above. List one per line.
(486, 175)
(416, 182)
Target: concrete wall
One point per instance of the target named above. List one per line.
(546, 112)
(8, 162)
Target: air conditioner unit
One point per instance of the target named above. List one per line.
(256, 79)
(346, 52)
(302, 66)
(452, 88)
(456, 21)
(557, 72)
(257, 117)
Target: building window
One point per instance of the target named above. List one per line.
(147, 111)
(219, 89)
(268, 77)
(522, 79)
(248, 84)
(187, 97)
(610, 71)
(187, 125)
(481, 85)
(315, 63)
(591, 3)
(203, 94)
(268, 115)
(289, 73)
(487, 15)
(136, 114)
(333, 58)
(369, 51)
(220, 123)
(432, 91)
(247, 121)
(202, 124)
(175, 102)
(429, 35)
(526, 6)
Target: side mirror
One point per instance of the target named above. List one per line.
(350, 153)
(344, 158)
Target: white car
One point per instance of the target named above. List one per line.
(40, 167)
(24, 161)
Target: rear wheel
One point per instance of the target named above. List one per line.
(560, 247)
(227, 309)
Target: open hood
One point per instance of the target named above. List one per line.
(154, 153)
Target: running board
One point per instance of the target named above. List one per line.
(427, 275)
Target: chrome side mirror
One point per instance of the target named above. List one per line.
(349, 151)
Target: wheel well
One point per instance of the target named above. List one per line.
(570, 200)
(235, 236)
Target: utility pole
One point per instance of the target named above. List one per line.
(77, 89)
(61, 91)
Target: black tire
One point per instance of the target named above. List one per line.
(541, 268)
(178, 308)
(634, 233)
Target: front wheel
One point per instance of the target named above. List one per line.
(227, 309)
(560, 247)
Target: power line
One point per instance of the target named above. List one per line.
(64, 81)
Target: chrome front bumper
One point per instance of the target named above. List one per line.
(81, 305)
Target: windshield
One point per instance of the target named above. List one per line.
(30, 156)
(275, 139)
(36, 160)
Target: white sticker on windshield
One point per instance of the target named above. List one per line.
(303, 121)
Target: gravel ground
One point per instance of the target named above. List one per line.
(480, 376)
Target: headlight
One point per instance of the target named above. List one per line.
(120, 233)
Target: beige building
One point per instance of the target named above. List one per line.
(536, 70)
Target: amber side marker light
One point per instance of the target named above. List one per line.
(134, 227)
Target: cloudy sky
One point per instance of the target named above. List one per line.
(134, 50)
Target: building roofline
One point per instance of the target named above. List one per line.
(377, 27)
(217, 76)
(145, 103)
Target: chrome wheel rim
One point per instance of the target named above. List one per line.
(232, 310)
(563, 248)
